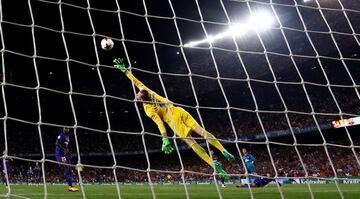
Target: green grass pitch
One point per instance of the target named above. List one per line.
(323, 191)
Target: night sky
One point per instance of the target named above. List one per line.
(56, 47)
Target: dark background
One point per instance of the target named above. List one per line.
(55, 72)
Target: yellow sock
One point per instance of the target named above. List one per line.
(201, 153)
(213, 141)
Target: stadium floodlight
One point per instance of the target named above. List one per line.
(258, 21)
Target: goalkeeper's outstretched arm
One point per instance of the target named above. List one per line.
(120, 65)
(166, 146)
(149, 110)
(158, 121)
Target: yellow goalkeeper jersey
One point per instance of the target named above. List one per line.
(161, 109)
(159, 106)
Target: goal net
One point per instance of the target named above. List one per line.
(279, 78)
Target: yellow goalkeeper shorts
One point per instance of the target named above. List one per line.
(182, 122)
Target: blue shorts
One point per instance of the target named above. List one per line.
(259, 182)
(251, 169)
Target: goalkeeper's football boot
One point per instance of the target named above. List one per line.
(220, 171)
(229, 156)
(73, 189)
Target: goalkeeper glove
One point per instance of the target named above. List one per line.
(119, 63)
(166, 146)
(80, 167)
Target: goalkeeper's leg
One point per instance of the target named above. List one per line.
(203, 155)
(191, 123)
(215, 142)
(198, 150)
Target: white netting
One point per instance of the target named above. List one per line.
(277, 92)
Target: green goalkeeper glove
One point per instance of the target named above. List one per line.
(119, 63)
(166, 146)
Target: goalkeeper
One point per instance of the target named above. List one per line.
(160, 110)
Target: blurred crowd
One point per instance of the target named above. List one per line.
(290, 161)
(127, 142)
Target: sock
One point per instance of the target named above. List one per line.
(250, 179)
(4, 180)
(201, 153)
(213, 141)
(222, 180)
(68, 176)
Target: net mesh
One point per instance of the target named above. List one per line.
(275, 92)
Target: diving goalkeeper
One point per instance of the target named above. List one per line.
(161, 110)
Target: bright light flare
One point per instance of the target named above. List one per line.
(261, 21)
(258, 21)
(237, 29)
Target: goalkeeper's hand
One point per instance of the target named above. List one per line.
(166, 146)
(119, 63)
(80, 167)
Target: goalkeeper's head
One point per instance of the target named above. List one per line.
(143, 95)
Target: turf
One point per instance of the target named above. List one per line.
(320, 191)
